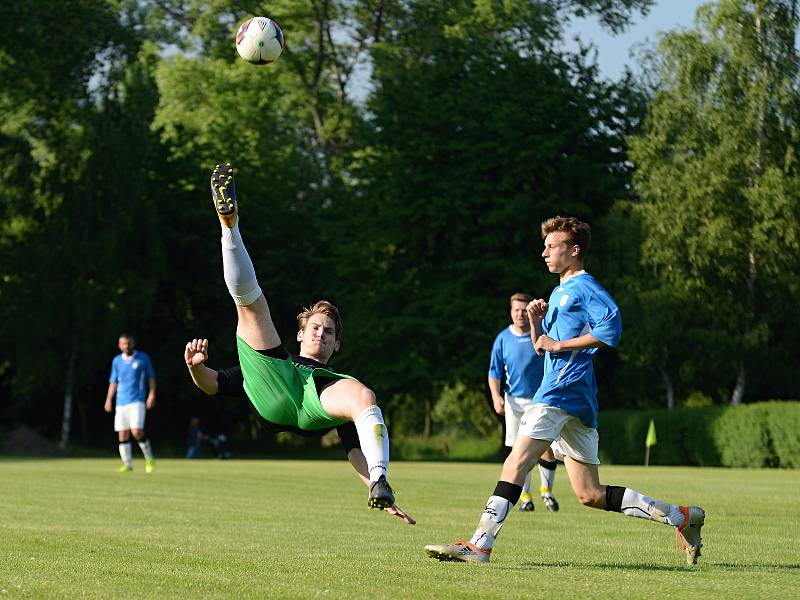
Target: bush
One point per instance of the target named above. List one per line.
(750, 435)
(783, 424)
(446, 447)
(463, 411)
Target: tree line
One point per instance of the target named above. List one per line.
(396, 160)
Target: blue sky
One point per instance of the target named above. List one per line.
(613, 51)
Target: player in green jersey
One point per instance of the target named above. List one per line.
(308, 397)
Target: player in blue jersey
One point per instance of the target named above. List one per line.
(515, 372)
(579, 318)
(133, 382)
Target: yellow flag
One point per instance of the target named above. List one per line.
(651, 435)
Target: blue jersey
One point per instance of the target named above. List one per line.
(131, 377)
(514, 362)
(575, 308)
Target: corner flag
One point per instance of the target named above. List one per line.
(651, 435)
(649, 441)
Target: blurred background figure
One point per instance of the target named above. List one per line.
(133, 382)
(195, 439)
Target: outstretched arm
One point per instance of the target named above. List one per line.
(356, 458)
(205, 378)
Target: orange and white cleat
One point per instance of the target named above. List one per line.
(689, 532)
(459, 551)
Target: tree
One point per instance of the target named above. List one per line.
(80, 225)
(717, 174)
(480, 127)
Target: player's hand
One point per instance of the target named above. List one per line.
(536, 309)
(150, 402)
(107, 406)
(545, 344)
(398, 512)
(499, 405)
(196, 353)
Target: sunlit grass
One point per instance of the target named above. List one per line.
(300, 529)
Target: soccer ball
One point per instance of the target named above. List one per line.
(259, 40)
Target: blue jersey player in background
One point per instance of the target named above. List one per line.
(579, 318)
(133, 382)
(515, 372)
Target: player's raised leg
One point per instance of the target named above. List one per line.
(687, 520)
(255, 325)
(524, 454)
(350, 399)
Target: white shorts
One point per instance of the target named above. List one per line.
(569, 435)
(130, 416)
(514, 409)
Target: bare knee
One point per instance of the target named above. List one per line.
(548, 455)
(365, 398)
(515, 468)
(591, 497)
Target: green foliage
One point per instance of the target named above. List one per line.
(396, 160)
(697, 400)
(454, 447)
(465, 155)
(463, 411)
(750, 435)
(783, 423)
(717, 174)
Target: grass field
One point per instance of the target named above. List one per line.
(301, 529)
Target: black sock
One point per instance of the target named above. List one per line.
(509, 491)
(614, 495)
(550, 465)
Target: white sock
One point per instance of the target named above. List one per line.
(492, 519)
(526, 487)
(374, 438)
(240, 276)
(147, 450)
(547, 477)
(635, 504)
(126, 454)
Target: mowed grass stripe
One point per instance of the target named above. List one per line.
(301, 529)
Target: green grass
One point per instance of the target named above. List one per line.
(300, 529)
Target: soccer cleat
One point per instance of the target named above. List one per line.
(124, 469)
(223, 194)
(689, 532)
(149, 465)
(550, 503)
(526, 503)
(380, 494)
(459, 551)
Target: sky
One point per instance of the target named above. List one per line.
(613, 51)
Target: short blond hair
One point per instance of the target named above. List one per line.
(520, 297)
(322, 307)
(578, 233)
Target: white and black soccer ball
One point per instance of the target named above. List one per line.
(259, 40)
